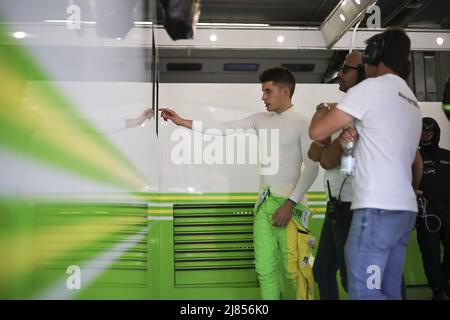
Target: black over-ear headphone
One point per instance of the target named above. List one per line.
(374, 52)
(361, 73)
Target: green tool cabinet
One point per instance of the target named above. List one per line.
(205, 252)
(170, 246)
(99, 238)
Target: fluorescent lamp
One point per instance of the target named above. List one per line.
(70, 21)
(19, 34)
(207, 24)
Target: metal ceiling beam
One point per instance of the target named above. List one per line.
(396, 12)
(226, 38)
(322, 3)
(415, 13)
(344, 15)
(330, 74)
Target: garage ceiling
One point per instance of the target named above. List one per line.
(307, 13)
(311, 13)
(412, 14)
(415, 14)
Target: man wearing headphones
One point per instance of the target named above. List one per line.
(388, 121)
(330, 253)
(433, 222)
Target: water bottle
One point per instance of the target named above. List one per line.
(348, 161)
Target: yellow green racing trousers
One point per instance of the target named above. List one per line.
(282, 253)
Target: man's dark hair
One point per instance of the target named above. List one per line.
(280, 76)
(396, 47)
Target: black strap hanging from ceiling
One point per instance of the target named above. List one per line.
(157, 101)
(155, 82)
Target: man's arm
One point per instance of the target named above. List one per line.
(284, 213)
(113, 125)
(221, 127)
(146, 114)
(331, 156)
(310, 170)
(307, 178)
(417, 171)
(355, 104)
(324, 123)
(308, 175)
(315, 151)
(168, 114)
(328, 156)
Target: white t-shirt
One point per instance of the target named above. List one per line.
(339, 183)
(288, 179)
(389, 123)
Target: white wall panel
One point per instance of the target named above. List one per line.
(106, 103)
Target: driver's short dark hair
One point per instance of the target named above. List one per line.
(280, 76)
